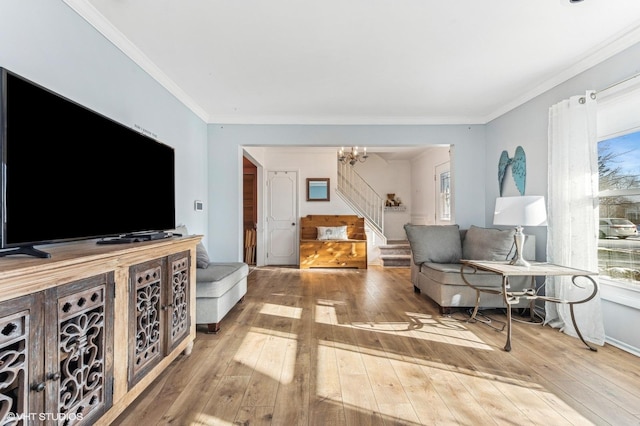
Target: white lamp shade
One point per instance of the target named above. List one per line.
(527, 210)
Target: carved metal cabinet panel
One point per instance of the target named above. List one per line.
(159, 311)
(21, 363)
(177, 308)
(56, 354)
(81, 374)
(146, 331)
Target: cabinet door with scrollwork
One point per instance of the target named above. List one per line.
(21, 363)
(146, 329)
(177, 306)
(81, 375)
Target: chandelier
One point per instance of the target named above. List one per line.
(352, 157)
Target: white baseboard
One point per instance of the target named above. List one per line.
(621, 345)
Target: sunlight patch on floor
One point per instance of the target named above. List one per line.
(438, 370)
(418, 326)
(339, 361)
(419, 315)
(326, 312)
(364, 391)
(281, 310)
(206, 420)
(528, 398)
(327, 373)
(446, 330)
(343, 377)
(432, 330)
(265, 351)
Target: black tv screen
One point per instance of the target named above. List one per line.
(69, 173)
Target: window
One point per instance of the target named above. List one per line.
(619, 201)
(445, 196)
(443, 193)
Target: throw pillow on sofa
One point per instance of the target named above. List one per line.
(202, 257)
(434, 243)
(487, 244)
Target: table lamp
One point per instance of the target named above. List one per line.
(520, 211)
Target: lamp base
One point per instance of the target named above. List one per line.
(518, 239)
(520, 262)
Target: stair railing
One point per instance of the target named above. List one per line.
(361, 197)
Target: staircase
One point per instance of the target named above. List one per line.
(395, 254)
(357, 193)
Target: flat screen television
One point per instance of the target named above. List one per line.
(69, 173)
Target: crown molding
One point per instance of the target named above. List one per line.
(102, 25)
(607, 49)
(343, 120)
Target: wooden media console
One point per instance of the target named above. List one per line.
(84, 332)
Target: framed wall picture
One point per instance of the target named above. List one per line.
(317, 189)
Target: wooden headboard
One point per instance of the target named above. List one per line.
(355, 225)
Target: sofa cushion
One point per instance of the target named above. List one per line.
(434, 243)
(332, 233)
(487, 244)
(449, 274)
(202, 257)
(218, 278)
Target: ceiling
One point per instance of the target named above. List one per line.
(362, 61)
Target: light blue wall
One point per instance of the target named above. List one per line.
(527, 126)
(225, 162)
(48, 43)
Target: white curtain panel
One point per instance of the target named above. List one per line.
(572, 231)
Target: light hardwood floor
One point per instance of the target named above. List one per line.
(359, 347)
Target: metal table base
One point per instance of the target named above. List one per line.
(536, 269)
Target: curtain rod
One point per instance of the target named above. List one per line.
(615, 87)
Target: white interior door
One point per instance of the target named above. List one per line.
(282, 218)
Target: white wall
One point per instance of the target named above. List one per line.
(385, 177)
(423, 185)
(621, 314)
(312, 162)
(309, 162)
(411, 180)
(225, 166)
(320, 162)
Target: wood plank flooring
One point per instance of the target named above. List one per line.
(359, 347)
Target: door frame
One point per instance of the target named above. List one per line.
(265, 231)
(261, 208)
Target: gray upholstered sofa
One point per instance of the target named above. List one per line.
(219, 286)
(435, 269)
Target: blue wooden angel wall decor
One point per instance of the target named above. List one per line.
(518, 169)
